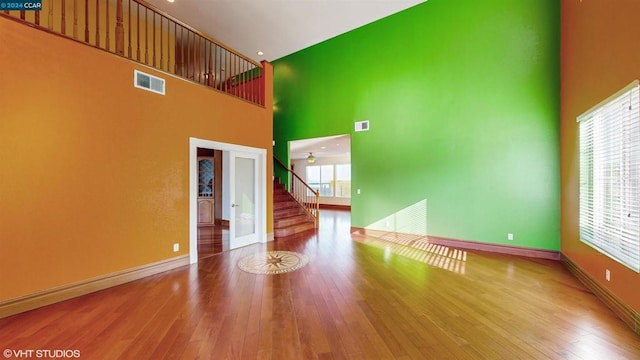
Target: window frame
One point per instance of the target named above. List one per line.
(331, 183)
(609, 176)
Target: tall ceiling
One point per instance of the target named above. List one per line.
(278, 27)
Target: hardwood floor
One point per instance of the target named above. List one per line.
(359, 298)
(212, 240)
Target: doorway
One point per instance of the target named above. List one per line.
(325, 164)
(213, 228)
(243, 198)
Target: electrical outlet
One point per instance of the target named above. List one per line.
(607, 274)
(176, 247)
(509, 236)
(358, 191)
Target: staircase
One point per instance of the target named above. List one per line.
(289, 218)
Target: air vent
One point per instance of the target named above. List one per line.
(362, 125)
(148, 82)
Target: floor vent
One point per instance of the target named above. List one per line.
(362, 125)
(148, 82)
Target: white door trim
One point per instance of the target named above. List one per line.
(261, 199)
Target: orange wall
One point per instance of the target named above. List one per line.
(94, 174)
(599, 56)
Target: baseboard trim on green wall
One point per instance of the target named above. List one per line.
(33, 301)
(496, 248)
(468, 245)
(622, 310)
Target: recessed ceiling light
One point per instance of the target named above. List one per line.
(324, 147)
(260, 53)
(171, 1)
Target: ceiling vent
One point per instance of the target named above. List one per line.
(362, 125)
(148, 82)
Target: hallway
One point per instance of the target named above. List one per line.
(355, 299)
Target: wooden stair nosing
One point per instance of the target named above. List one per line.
(287, 212)
(293, 230)
(292, 221)
(285, 205)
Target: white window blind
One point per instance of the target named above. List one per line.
(610, 176)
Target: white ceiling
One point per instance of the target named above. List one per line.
(330, 146)
(278, 27)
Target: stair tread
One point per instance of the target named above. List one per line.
(292, 220)
(293, 230)
(288, 216)
(281, 214)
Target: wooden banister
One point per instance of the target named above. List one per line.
(183, 50)
(119, 29)
(305, 195)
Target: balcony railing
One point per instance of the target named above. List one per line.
(142, 33)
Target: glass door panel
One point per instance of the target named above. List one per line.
(244, 212)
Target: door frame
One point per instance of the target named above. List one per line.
(261, 196)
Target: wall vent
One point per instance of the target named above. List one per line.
(148, 82)
(362, 125)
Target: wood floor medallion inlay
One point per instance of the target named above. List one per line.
(273, 262)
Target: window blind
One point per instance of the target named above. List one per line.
(610, 176)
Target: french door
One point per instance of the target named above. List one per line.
(243, 228)
(243, 198)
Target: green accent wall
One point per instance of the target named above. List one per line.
(463, 102)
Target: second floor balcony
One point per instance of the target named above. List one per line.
(139, 32)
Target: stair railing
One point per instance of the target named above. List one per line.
(304, 194)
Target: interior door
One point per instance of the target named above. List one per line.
(243, 225)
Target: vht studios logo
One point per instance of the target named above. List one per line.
(20, 5)
(41, 354)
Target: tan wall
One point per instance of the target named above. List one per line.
(599, 57)
(93, 172)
